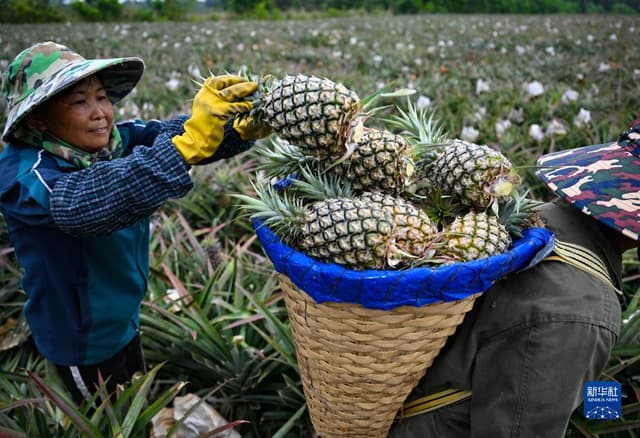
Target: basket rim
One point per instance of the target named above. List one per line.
(386, 289)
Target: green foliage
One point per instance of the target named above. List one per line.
(214, 316)
(29, 11)
(41, 11)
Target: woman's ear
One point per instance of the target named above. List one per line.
(35, 121)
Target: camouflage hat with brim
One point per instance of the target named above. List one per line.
(602, 181)
(45, 69)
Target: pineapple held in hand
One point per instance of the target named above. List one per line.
(316, 114)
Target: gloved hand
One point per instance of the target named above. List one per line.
(219, 99)
(249, 128)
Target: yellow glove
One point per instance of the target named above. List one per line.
(250, 129)
(219, 99)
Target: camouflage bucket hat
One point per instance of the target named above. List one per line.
(602, 181)
(45, 69)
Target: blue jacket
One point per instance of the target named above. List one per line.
(82, 238)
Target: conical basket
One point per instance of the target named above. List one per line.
(358, 365)
(364, 339)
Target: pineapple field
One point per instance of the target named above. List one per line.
(402, 142)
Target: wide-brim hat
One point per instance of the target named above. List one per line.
(45, 69)
(602, 180)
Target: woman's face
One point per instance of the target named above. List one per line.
(82, 115)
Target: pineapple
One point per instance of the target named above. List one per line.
(379, 161)
(472, 236)
(415, 230)
(475, 174)
(358, 233)
(316, 114)
(486, 233)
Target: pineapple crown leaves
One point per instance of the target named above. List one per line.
(514, 210)
(418, 124)
(421, 128)
(441, 208)
(317, 186)
(280, 158)
(279, 211)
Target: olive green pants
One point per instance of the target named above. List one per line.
(525, 351)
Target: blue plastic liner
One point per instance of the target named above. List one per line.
(387, 289)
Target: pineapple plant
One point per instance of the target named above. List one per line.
(316, 114)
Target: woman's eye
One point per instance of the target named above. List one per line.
(78, 102)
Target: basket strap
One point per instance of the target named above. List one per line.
(432, 402)
(581, 258)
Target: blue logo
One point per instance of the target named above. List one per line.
(602, 400)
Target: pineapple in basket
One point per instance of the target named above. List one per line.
(380, 161)
(349, 231)
(316, 114)
(477, 234)
(476, 175)
(415, 233)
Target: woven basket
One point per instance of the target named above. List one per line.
(357, 364)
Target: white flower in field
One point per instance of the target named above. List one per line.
(129, 110)
(353, 41)
(377, 59)
(557, 127)
(194, 71)
(535, 133)
(590, 38)
(551, 51)
(479, 115)
(604, 67)
(520, 50)
(534, 89)
(174, 81)
(187, 39)
(613, 37)
(240, 47)
(501, 126)
(482, 86)
(177, 45)
(569, 96)
(469, 133)
(583, 118)
(148, 108)
(636, 73)
(423, 102)
(516, 115)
